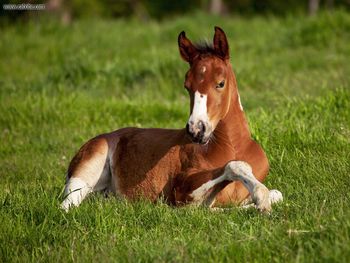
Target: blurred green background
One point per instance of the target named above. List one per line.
(161, 9)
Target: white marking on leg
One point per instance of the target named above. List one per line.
(199, 194)
(275, 197)
(220, 209)
(241, 171)
(247, 201)
(104, 180)
(75, 191)
(248, 206)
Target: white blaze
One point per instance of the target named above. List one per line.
(199, 111)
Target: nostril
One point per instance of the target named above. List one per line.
(201, 127)
(188, 128)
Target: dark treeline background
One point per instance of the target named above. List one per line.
(68, 10)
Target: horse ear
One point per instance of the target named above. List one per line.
(187, 50)
(220, 43)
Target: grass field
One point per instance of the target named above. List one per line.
(60, 86)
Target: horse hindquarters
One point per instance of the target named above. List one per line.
(88, 171)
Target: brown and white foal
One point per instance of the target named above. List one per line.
(212, 162)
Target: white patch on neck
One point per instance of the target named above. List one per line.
(239, 101)
(204, 69)
(199, 111)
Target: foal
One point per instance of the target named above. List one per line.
(212, 162)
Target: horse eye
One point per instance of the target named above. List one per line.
(221, 84)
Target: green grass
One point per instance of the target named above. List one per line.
(60, 86)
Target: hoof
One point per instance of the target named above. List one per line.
(261, 199)
(275, 196)
(65, 206)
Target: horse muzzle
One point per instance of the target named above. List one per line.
(198, 132)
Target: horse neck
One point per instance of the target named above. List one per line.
(232, 132)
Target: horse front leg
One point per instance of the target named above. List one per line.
(259, 193)
(201, 188)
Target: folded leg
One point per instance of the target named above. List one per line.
(201, 188)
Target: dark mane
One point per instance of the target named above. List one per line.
(205, 48)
